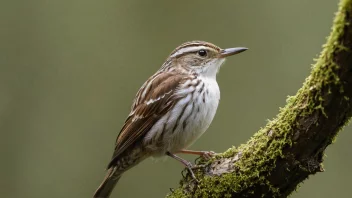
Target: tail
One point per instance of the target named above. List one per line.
(108, 184)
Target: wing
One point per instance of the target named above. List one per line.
(153, 100)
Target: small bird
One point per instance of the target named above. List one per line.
(171, 110)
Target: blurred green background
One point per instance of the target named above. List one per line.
(69, 71)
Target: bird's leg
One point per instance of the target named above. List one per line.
(204, 154)
(188, 164)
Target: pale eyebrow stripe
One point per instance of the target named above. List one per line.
(188, 50)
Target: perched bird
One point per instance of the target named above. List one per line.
(171, 110)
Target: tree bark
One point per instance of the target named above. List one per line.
(291, 146)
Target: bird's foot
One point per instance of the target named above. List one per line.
(190, 168)
(207, 154)
(204, 154)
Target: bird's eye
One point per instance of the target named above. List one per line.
(202, 53)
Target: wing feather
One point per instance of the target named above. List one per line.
(148, 107)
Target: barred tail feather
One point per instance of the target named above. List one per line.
(108, 184)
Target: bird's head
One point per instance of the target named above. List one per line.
(199, 57)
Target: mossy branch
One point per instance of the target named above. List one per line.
(290, 147)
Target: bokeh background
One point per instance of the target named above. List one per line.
(69, 70)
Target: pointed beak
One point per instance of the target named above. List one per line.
(231, 51)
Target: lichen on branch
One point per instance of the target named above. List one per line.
(291, 146)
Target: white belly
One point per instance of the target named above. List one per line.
(189, 119)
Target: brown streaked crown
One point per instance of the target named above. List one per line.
(191, 44)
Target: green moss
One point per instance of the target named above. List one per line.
(259, 154)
